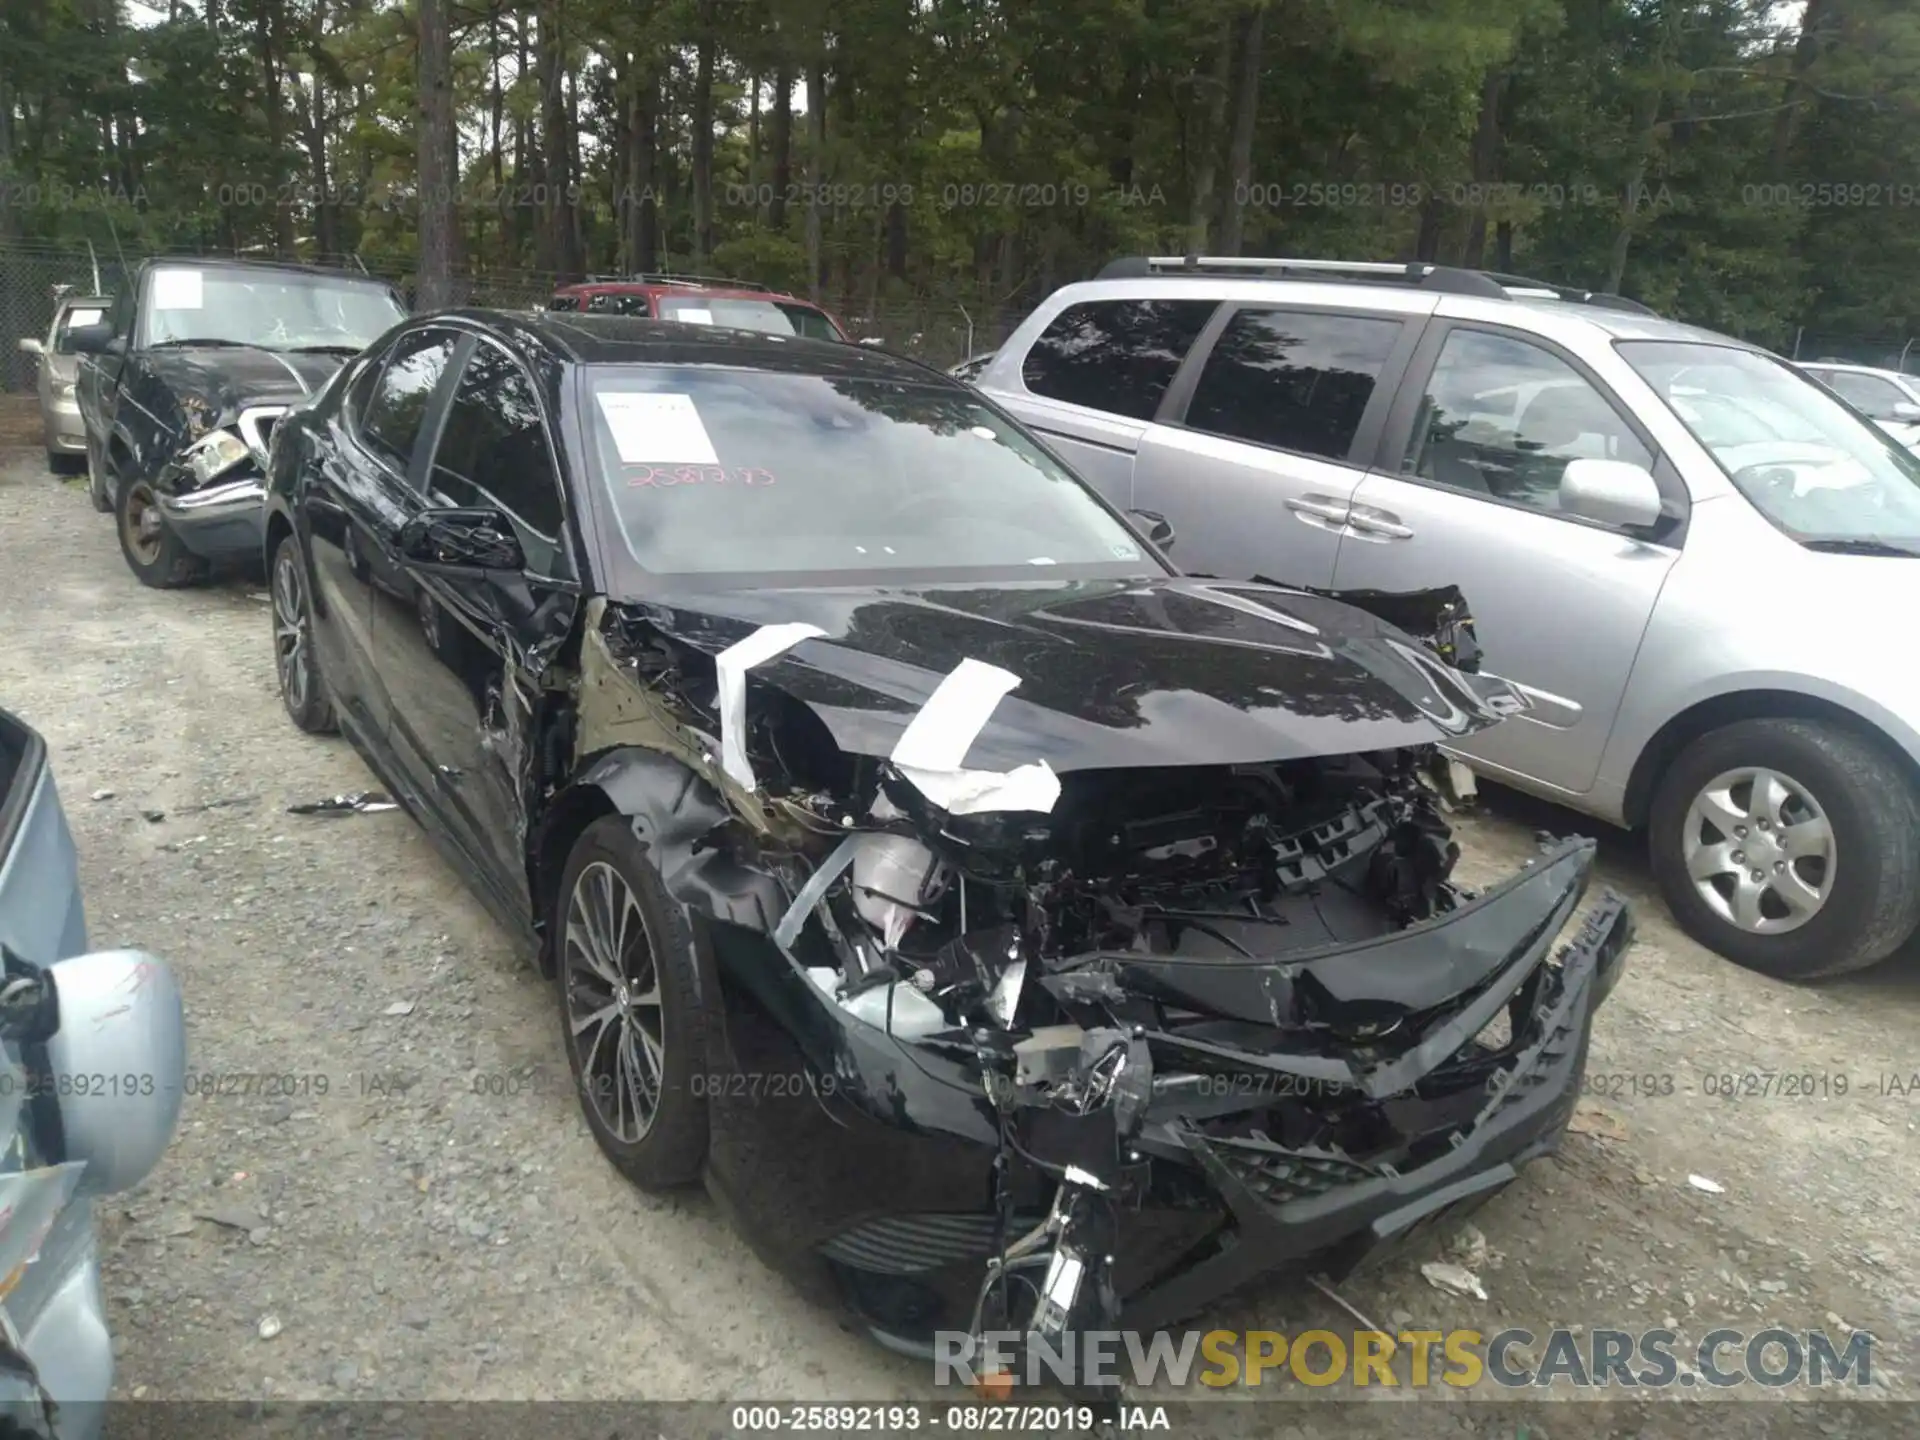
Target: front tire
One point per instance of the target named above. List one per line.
(154, 553)
(99, 488)
(1791, 847)
(302, 690)
(630, 1015)
(61, 463)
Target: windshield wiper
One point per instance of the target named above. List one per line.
(177, 344)
(1861, 545)
(320, 349)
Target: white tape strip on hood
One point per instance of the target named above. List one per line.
(930, 750)
(731, 666)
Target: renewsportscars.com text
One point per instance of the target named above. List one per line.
(1771, 1359)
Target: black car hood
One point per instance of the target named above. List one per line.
(1113, 674)
(229, 377)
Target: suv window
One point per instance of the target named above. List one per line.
(1502, 417)
(564, 302)
(1115, 355)
(619, 303)
(391, 421)
(1868, 394)
(1293, 379)
(493, 447)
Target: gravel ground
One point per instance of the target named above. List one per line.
(427, 1217)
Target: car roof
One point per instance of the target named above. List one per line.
(662, 288)
(1856, 369)
(225, 262)
(1553, 317)
(589, 339)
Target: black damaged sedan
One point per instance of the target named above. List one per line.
(182, 384)
(1012, 933)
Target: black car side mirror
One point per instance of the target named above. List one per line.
(1159, 529)
(462, 540)
(87, 340)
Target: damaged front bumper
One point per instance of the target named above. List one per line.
(1222, 1146)
(224, 521)
(222, 517)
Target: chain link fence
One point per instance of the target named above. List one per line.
(1896, 352)
(33, 275)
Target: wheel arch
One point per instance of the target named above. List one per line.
(566, 819)
(1711, 713)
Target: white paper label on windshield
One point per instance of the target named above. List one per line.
(654, 429)
(85, 317)
(176, 290)
(694, 317)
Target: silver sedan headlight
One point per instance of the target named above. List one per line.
(214, 453)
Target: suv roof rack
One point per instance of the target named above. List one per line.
(1448, 279)
(669, 278)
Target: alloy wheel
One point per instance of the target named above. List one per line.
(614, 1014)
(290, 635)
(1759, 850)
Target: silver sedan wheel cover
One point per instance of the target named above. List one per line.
(1759, 850)
(614, 1014)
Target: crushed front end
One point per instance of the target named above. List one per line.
(212, 492)
(1093, 1064)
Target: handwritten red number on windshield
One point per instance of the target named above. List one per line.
(666, 477)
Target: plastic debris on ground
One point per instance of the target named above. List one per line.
(364, 803)
(1455, 1279)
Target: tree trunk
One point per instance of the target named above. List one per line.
(434, 145)
(1814, 22)
(816, 167)
(702, 148)
(782, 143)
(1426, 244)
(326, 211)
(1205, 158)
(556, 226)
(643, 214)
(1246, 105)
(1646, 117)
(753, 133)
(526, 162)
(498, 98)
(1486, 164)
(263, 42)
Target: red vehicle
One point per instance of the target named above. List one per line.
(701, 300)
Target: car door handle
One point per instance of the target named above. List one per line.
(1372, 524)
(1322, 512)
(1324, 507)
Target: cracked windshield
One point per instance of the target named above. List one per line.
(281, 311)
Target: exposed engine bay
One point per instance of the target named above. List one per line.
(1248, 993)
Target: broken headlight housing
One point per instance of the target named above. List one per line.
(214, 453)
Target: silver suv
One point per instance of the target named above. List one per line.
(1676, 544)
(1889, 398)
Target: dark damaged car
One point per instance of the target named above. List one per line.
(1012, 932)
(180, 387)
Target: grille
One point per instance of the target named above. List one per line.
(1278, 1175)
(913, 1244)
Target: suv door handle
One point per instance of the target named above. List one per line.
(1323, 512)
(1374, 524)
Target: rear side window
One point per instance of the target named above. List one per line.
(1115, 355)
(1292, 379)
(493, 448)
(618, 304)
(391, 422)
(564, 302)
